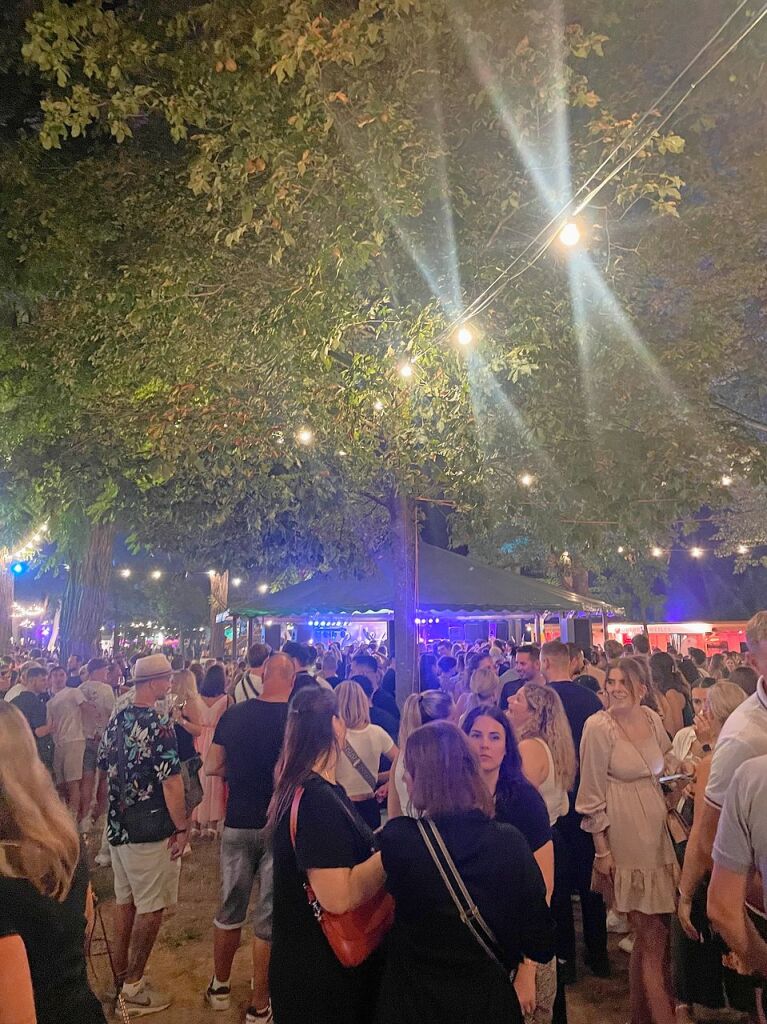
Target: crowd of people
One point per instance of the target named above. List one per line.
(514, 780)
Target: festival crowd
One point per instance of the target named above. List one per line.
(409, 864)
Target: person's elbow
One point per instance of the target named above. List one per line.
(723, 912)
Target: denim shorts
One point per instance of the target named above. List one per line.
(245, 857)
(90, 756)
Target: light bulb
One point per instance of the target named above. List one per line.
(263, 587)
(464, 335)
(570, 234)
(125, 573)
(657, 552)
(406, 370)
(211, 573)
(236, 581)
(526, 479)
(726, 480)
(378, 405)
(305, 436)
(621, 549)
(696, 552)
(156, 574)
(742, 549)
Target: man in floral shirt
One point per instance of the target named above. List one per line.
(139, 744)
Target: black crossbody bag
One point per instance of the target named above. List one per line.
(147, 821)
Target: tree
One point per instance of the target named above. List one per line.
(312, 198)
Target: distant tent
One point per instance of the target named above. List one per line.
(448, 584)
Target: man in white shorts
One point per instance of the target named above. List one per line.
(146, 827)
(64, 715)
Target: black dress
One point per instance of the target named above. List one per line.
(53, 933)
(308, 984)
(435, 969)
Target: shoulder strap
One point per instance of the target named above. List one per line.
(647, 764)
(467, 909)
(294, 814)
(359, 765)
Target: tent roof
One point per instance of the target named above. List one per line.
(449, 584)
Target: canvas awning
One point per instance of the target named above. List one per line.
(448, 584)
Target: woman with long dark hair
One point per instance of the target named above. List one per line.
(334, 852)
(670, 682)
(437, 968)
(518, 803)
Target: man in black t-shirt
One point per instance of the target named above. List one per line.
(574, 848)
(245, 749)
(32, 706)
(366, 665)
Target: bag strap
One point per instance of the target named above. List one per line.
(294, 815)
(467, 909)
(359, 766)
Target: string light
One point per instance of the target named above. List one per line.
(526, 479)
(726, 480)
(406, 370)
(742, 549)
(341, 452)
(305, 436)
(464, 335)
(125, 573)
(696, 552)
(236, 581)
(156, 574)
(263, 588)
(570, 234)
(211, 573)
(378, 405)
(657, 552)
(621, 549)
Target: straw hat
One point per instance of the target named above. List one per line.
(154, 666)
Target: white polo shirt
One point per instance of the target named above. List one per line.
(743, 736)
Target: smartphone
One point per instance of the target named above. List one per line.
(679, 777)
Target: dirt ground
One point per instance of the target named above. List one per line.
(182, 959)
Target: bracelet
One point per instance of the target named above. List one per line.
(601, 856)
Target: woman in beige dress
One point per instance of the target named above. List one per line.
(623, 752)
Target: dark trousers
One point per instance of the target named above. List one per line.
(573, 863)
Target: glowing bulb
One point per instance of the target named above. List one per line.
(742, 549)
(726, 480)
(263, 587)
(570, 234)
(406, 370)
(236, 581)
(621, 549)
(341, 452)
(211, 573)
(305, 436)
(464, 335)
(125, 573)
(526, 480)
(156, 574)
(378, 405)
(657, 552)
(268, 622)
(696, 552)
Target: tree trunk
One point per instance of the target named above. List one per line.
(6, 608)
(219, 602)
(82, 607)
(404, 535)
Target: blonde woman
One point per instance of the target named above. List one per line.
(484, 686)
(360, 759)
(419, 709)
(545, 745)
(187, 714)
(43, 892)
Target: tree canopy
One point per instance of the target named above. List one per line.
(233, 224)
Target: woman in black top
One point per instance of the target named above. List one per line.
(334, 851)
(43, 890)
(518, 803)
(436, 970)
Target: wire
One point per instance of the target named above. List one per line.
(480, 303)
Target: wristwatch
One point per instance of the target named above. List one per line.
(706, 748)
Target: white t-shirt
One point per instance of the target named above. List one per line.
(98, 707)
(369, 744)
(743, 736)
(682, 743)
(399, 782)
(251, 685)
(64, 715)
(13, 693)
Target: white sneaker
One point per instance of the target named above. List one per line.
(627, 944)
(617, 924)
(103, 859)
(218, 998)
(147, 1000)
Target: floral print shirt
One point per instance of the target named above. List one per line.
(151, 757)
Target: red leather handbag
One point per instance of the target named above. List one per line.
(353, 936)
